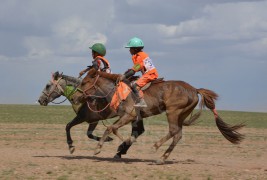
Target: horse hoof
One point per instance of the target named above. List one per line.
(154, 148)
(108, 139)
(117, 156)
(160, 162)
(97, 151)
(71, 149)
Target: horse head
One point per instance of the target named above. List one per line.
(52, 90)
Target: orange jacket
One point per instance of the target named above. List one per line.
(143, 63)
(99, 59)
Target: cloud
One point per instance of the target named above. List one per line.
(60, 28)
(75, 34)
(253, 48)
(3, 58)
(242, 25)
(202, 42)
(37, 47)
(222, 21)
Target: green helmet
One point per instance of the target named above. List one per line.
(99, 48)
(135, 42)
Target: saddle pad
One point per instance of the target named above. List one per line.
(122, 92)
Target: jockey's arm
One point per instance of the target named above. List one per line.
(84, 71)
(95, 64)
(129, 73)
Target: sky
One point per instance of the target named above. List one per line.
(214, 44)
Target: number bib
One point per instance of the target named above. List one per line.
(148, 64)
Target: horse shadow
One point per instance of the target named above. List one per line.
(114, 160)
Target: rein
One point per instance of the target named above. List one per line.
(58, 86)
(97, 111)
(96, 96)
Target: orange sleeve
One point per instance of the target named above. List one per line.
(138, 63)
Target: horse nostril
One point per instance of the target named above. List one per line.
(39, 101)
(71, 99)
(75, 100)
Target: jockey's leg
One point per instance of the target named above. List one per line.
(140, 100)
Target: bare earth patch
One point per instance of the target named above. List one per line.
(39, 151)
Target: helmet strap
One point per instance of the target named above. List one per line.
(136, 49)
(95, 54)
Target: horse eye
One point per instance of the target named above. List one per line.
(47, 86)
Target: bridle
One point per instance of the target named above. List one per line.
(56, 86)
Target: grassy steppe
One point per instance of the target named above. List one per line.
(33, 140)
(61, 114)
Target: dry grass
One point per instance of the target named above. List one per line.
(34, 147)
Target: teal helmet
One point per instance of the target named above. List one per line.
(135, 42)
(99, 48)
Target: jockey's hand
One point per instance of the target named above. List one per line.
(122, 77)
(81, 74)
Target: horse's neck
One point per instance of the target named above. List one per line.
(106, 86)
(69, 80)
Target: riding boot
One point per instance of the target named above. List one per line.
(140, 100)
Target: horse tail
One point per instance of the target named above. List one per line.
(194, 117)
(208, 98)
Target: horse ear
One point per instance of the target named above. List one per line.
(56, 75)
(92, 72)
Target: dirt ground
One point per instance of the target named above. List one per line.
(38, 151)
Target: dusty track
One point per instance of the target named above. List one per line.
(37, 151)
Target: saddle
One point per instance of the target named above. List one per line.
(158, 80)
(134, 78)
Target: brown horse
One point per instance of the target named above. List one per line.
(177, 98)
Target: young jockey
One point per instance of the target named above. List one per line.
(142, 63)
(99, 63)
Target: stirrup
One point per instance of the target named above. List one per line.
(142, 103)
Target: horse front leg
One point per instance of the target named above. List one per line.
(137, 130)
(90, 131)
(125, 119)
(102, 140)
(75, 121)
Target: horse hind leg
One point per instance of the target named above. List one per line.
(173, 129)
(176, 139)
(178, 131)
(175, 120)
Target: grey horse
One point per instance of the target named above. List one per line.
(62, 85)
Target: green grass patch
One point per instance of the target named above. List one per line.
(36, 114)
(251, 119)
(61, 114)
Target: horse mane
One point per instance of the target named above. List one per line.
(112, 77)
(72, 79)
(93, 72)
